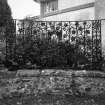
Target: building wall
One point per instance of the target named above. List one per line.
(100, 9)
(82, 14)
(63, 4)
(103, 37)
(100, 14)
(88, 13)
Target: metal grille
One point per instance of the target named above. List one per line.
(84, 34)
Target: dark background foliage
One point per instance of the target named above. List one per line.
(5, 12)
(7, 29)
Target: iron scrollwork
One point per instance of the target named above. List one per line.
(86, 35)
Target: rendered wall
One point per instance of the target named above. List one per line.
(63, 4)
(103, 37)
(100, 14)
(100, 9)
(83, 14)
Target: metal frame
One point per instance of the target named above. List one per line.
(84, 34)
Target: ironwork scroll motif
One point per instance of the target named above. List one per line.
(86, 35)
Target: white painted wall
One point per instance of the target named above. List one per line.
(103, 37)
(83, 14)
(100, 14)
(100, 9)
(63, 4)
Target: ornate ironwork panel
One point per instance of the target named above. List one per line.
(10, 38)
(96, 40)
(81, 36)
(84, 35)
(2, 43)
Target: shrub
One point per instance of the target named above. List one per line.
(47, 53)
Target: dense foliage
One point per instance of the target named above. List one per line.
(6, 30)
(47, 53)
(5, 12)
